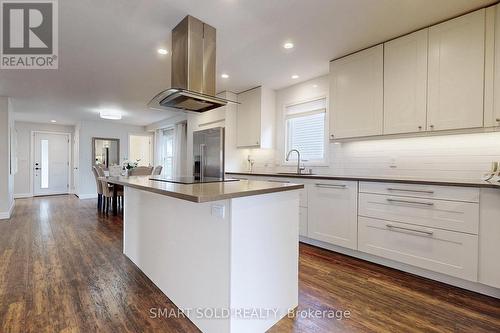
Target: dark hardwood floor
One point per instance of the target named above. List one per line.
(62, 270)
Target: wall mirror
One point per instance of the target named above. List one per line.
(105, 152)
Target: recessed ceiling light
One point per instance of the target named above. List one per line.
(288, 45)
(162, 51)
(295, 76)
(110, 114)
(53, 121)
(224, 76)
(315, 86)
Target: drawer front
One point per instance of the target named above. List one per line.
(333, 212)
(449, 215)
(446, 252)
(303, 222)
(467, 194)
(302, 193)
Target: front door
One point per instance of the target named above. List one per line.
(51, 164)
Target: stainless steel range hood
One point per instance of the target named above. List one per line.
(193, 69)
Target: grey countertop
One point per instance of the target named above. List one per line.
(203, 192)
(440, 182)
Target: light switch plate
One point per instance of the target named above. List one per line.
(219, 211)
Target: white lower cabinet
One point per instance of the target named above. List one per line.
(332, 212)
(303, 222)
(443, 214)
(489, 238)
(447, 252)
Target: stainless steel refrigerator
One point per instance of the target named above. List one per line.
(208, 153)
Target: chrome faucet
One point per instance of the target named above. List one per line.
(299, 168)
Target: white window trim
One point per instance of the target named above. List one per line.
(284, 139)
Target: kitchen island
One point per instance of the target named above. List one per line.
(225, 253)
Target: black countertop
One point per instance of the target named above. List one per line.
(439, 182)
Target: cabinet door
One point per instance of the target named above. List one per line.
(356, 90)
(443, 251)
(333, 213)
(405, 84)
(489, 238)
(248, 118)
(456, 73)
(496, 96)
(303, 222)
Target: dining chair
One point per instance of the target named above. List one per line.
(99, 187)
(157, 170)
(141, 171)
(107, 192)
(115, 170)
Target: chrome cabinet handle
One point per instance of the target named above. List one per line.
(331, 186)
(405, 190)
(412, 202)
(396, 228)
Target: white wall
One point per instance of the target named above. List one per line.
(463, 156)
(100, 129)
(22, 181)
(6, 179)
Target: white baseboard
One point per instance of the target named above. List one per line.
(86, 196)
(23, 195)
(457, 282)
(7, 215)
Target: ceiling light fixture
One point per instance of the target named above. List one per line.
(53, 121)
(288, 45)
(110, 114)
(224, 76)
(315, 86)
(295, 76)
(162, 51)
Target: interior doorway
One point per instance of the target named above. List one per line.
(140, 148)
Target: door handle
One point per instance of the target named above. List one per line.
(408, 190)
(343, 187)
(412, 202)
(396, 228)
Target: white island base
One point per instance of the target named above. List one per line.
(230, 265)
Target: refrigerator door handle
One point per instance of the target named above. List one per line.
(202, 160)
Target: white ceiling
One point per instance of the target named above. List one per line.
(108, 58)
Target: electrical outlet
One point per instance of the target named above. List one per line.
(392, 163)
(219, 211)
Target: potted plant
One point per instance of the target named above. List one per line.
(128, 165)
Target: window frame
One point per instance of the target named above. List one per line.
(311, 163)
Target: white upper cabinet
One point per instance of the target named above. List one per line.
(496, 103)
(456, 73)
(256, 118)
(405, 83)
(356, 94)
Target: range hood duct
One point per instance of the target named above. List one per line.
(193, 69)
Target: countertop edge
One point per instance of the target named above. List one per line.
(173, 194)
(486, 184)
(203, 199)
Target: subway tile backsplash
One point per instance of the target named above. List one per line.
(465, 156)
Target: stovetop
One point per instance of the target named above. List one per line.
(192, 180)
